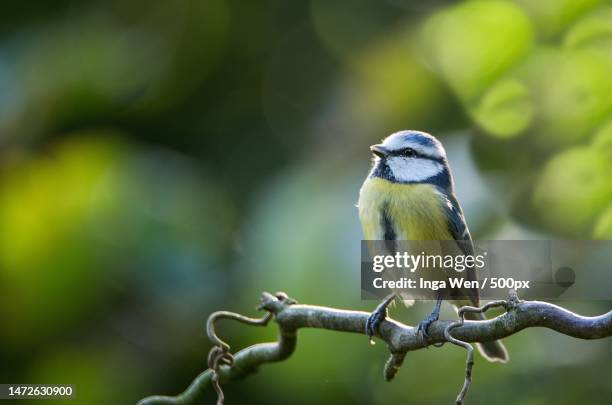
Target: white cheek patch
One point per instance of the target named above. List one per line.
(413, 169)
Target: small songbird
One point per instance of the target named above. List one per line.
(408, 195)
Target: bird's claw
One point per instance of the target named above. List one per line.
(423, 326)
(374, 321)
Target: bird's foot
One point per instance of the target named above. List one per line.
(424, 325)
(374, 321)
(376, 318)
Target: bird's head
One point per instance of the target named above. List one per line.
(409, 157)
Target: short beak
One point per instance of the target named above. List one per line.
(379, 150)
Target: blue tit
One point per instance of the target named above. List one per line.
(408, 195)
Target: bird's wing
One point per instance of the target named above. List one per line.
(457, 226)
(459, 231)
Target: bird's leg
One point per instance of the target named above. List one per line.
(429, 319)
(377, 316)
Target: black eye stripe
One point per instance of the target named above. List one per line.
(408, 152)
(415, 153)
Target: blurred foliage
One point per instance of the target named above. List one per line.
(475, 42)
(162, 160)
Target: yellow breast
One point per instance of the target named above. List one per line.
(416, 211)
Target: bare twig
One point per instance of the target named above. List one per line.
(469, 362)
(220, 353)
(399, 338)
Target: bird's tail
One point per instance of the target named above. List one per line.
(492, 351)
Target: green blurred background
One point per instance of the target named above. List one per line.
(161, 160)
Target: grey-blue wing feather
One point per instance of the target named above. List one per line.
(457, 225)
(460, 232)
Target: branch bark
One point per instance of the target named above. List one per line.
(399, 338)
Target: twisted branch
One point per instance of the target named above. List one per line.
(469, 362)
(399, 338)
